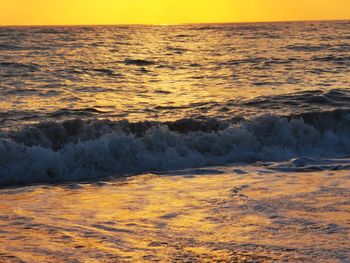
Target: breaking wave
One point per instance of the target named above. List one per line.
(80, 150)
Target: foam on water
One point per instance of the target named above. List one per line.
(79, 150)
(215, 80)
(218, 214)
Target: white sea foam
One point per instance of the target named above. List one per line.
(114, 152)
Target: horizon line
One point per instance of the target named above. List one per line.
(178, 24)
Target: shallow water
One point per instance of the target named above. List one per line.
(221, 214)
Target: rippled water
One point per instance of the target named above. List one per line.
(221, 214)
(172, 72)
(138, 112)
(90, 102)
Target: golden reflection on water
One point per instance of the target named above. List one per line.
(266, 217)
(169, 72)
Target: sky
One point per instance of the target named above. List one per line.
(78, 12)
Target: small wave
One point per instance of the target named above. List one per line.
(336, 120)
(106, 71)
(177, 50)
(138, 62)
(308, 47)
(341, 47)
(22, 92)
(169, 107)
(252, 60)
(70, 112)
(52, 30)
(79, 150)
(306, 164)
(195, 65)
(14, 65)
(9, 47)
(335, 98)
(343, 60)
(163, 92)
(183, 36)
(261, 60)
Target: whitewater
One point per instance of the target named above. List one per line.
(77, 150)
(196, 143)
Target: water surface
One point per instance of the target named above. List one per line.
(221, 214)
(196, 143)
(172, 72)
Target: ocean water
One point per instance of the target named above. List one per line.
(222, 214)
(186, 143)
(89, 102)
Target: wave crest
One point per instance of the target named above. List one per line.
(80, 150)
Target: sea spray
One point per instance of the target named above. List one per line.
(80, 150)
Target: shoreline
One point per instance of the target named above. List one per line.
(245, 213)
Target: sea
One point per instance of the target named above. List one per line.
(175, 143)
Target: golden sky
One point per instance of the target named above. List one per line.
(54, 12)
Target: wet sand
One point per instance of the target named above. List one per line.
(220, 214)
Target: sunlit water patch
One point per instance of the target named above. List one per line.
(171, 72)
(221, 214)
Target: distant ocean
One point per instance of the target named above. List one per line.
(80, 103)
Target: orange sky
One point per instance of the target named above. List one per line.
(49, 12)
